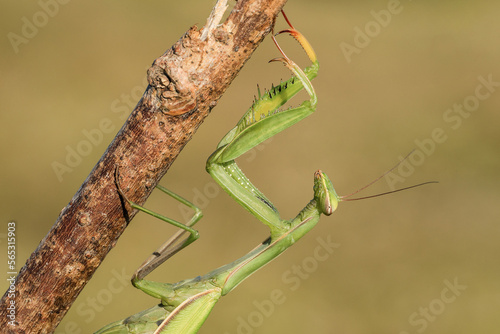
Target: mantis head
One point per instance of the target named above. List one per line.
(326, 198)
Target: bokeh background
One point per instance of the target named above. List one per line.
(394, 258)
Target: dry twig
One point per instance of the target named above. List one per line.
(184, 85)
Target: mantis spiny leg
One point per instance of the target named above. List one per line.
(263, 120)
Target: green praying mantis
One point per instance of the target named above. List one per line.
(185, 305)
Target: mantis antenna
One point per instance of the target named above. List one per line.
(346, 198)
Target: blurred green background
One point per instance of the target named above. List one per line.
(394, 257)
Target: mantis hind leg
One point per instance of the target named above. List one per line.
(172, 245)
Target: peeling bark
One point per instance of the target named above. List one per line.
(184, 85)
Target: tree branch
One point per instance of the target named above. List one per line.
(184, 85)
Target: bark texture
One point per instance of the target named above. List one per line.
(184, 85)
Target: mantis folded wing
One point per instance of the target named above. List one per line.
(185, 305)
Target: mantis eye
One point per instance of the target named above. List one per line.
(324, 193)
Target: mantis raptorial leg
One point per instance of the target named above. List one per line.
(185, 305)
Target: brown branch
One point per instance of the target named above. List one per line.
(184, 85)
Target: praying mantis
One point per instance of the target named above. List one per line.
(185, 305)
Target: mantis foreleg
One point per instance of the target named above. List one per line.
(262, 121)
